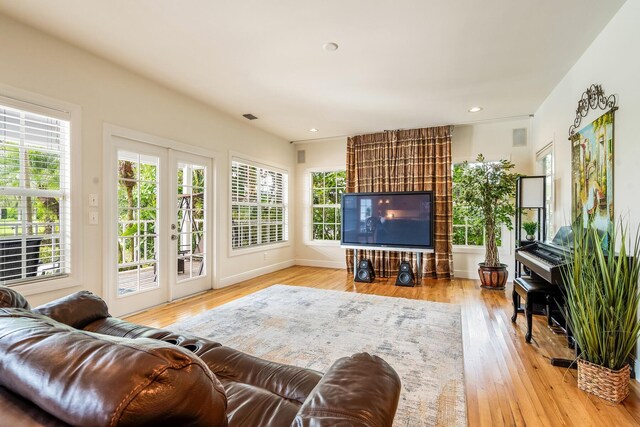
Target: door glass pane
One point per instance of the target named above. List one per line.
(192, 212)
(137, 214)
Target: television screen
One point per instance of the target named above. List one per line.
(403, 220)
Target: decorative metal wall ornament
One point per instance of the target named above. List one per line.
(591, 99)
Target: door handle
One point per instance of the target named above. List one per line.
(174, 237)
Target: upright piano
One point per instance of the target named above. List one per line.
(538, 262)
(545, 260)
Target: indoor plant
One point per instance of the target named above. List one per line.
(602, 303)
(485, 191)
(530, 228)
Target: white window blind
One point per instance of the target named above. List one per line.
(34, 196)
(259, 202)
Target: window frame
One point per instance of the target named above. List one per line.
(505, 234)
(260, 164)
(40, 104)
(548, 150)
(310, 205)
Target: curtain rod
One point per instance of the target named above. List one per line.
(521, 116)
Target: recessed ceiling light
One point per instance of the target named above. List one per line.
(330, 47)
(475, 109)
(313, 130)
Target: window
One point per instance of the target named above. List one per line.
(138, 182)
(327, 189)
(35, 200)
(259, 197)
(467, 231)
(545, 160)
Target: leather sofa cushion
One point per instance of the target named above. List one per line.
(251, 406)
(76, 310)
(17, 411)
(12, 299)
(121, 328)
(289, 382)
(357, 391)
(88, 379)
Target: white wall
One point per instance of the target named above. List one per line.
(613, 62)
(320, 155)
(36, 62)
(494, 140)
(609, 61)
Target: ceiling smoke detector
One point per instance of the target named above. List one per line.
(330, 47)
(249, 116)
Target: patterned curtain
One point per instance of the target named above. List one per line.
(406, 160)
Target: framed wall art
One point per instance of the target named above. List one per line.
(592, 151)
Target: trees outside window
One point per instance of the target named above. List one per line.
(468, 229)
(34, 203)
(259, 201)
(327, 189)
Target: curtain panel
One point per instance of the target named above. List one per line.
(406, 160)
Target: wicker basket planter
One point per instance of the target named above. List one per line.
(609, 385)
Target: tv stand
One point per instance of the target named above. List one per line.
(390, 249)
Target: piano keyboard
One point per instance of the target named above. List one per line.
(539, 261)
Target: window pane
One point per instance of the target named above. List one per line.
(9, 165)
(137, 213)
(329, 232)
(327, 189)
(317, 179)
(34, 149)
(467, 230)
(476, 235)
(254, 191)
(329, 215)
(459, 235)
(331, 196)
(318, 196)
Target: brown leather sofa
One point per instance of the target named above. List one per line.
(70, 363)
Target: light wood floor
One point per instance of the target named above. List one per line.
(508, 382)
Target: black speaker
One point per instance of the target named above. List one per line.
(364, 272)
(405, 275)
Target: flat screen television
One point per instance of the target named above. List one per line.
(397, 220)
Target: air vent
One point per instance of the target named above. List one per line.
(301, 156)
(520, 137)
(249, 116)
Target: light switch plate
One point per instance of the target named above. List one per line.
(93, 199)
(93, 217)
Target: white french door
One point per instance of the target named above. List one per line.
(157, 225)
(190, 224)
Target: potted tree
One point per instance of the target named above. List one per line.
(485, 192)
(601, 287)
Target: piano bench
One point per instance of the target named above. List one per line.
(534, 291)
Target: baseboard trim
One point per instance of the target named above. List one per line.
(321, 263)
(465, 274)
(472, 274)
(246, 275)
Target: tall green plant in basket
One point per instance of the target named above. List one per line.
(602, 302)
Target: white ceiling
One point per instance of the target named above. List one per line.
(401, 63)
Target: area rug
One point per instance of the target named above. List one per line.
(312, 328)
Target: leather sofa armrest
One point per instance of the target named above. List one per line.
(361, 390)
(76, 310)
(10, 298)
